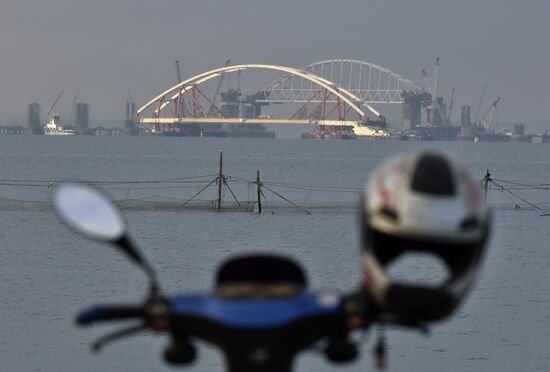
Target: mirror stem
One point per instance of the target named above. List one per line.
(129, 249)
(153, 286)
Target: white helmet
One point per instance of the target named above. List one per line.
(421, 202)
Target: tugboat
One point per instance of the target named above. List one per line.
(54, 128)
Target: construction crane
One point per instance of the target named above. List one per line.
(480, 104)
(487, 123)
(437, 114)
(451, 104)
(433, 88)
(54, 103)
(217, 92)
(178, 71)
(178, 80)
(425, 82)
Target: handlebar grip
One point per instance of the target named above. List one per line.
(106, 313)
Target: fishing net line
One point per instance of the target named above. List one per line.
(197, 192)
(240, 194)
(518, 194)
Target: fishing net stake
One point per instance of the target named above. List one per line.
(220, 181)
(259, 191)
(486, 181)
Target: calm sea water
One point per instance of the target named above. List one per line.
(48, 273)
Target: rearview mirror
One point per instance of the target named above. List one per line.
(89, 212)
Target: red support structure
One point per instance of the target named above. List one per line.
(189, 105)
(185, 109)
(342, 109)
(178, 105)
(194, 100)
(172, 110)
(306, 103)
(344, 112)
(196, 104)
(314, 112)
(324, 104)
(337, 106)
(156, 114)
(212, 104)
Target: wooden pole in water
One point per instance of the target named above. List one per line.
(220, 181)
(486, 180)
(259, 189)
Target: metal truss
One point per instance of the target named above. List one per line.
(369, 82)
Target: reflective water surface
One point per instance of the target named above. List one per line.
(48, 272)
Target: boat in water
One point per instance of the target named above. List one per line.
(364, 131)
(351, 131)
(54, 128)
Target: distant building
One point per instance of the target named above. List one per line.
(33, 122)
(412, 108)
(465, 116)
(230, 103)
(129, 125)
(82, 117)
(130, 110)
(411, 114)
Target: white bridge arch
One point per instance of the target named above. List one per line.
(173, 95)
(371, 83)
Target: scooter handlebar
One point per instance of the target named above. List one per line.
(108, 313)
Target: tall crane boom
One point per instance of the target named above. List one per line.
(54, 103)
(178, 71)
(490, 112)
(480, 104)
(451, 104)
(437, 119)
(217, 92)
(178, 78)
(425, 83)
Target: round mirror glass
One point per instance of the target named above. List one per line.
(88, 211)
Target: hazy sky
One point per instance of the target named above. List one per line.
(107, 48)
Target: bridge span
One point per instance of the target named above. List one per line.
(250, 121)
(317, 100)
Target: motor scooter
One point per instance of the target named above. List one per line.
(260, 314)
